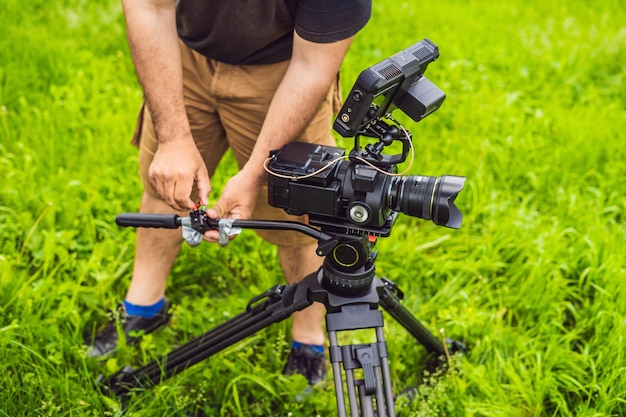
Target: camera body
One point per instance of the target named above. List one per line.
(360, 192)
(343, 195)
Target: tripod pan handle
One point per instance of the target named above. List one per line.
(161, 221)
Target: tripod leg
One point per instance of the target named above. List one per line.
(371, 395)
(386, 374)
(367, 406)
(279, 303)
(341, 403)
(391, 303)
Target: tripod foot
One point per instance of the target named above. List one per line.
(456, 346)
(114, 384)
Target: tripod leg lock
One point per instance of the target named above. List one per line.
(367, 357)
(273, 294)
(393, 288)
(364, 356)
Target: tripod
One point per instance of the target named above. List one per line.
(346, 284)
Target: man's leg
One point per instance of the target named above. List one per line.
(298, 262)
(157, 249)
(247, 91)
(306, 356)
(155, 253)
(145, 306)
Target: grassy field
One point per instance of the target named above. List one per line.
(533, 282)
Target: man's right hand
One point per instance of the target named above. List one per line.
(174, 169)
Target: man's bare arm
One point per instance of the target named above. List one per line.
(312, 70)
(153, 40)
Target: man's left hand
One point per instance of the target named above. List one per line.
(237, 201)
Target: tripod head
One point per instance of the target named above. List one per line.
(349, 258)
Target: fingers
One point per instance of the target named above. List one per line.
(174, 169)
(236, 202)
(175, 190)
(216, 212)
(226, 209)
(204, 187)
(174, 194)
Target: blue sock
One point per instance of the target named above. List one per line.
(146, 312)
(316, 348)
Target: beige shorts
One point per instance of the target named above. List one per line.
(226, 107)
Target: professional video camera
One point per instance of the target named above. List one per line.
(362, 192)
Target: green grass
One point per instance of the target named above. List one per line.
(533, 283)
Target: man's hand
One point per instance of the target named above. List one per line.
(236, 202)
(174, 169)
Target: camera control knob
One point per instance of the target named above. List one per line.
(359, 214)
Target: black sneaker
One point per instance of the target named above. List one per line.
(105, 342)
(308, 362)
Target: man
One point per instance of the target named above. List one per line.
(246, 75)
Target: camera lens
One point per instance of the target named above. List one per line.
(429, 198)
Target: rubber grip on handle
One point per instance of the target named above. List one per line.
(161, 221)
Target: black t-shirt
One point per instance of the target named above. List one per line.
(261, 31)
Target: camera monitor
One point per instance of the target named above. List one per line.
(396, 82)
